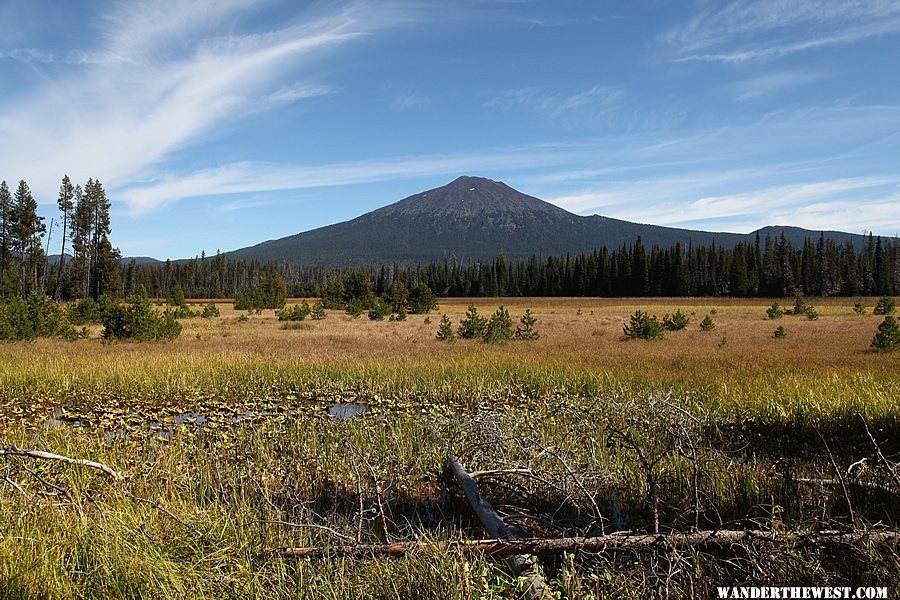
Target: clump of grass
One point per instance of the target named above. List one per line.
(296, 326)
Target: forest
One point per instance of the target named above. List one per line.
(81, 262)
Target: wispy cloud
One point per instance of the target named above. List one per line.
(164, 76)
(409, 100)
(746, 30)
(598, 100)
(771, 83)
(244, 177)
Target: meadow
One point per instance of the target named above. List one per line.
(247, 435)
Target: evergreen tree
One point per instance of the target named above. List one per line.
(27, 229)
(887, 338)
(7, 279)
(445, 329)
(65, 201)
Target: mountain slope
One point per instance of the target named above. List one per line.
(475, 218)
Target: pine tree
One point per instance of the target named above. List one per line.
(445, 329)
(887, 338)
(7, 284)
(525, 329)
(472, 325)
(27, 229)
(499, 327)
(707, 324)
(66, 205)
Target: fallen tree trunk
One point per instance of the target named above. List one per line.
(520, 563)
(13, 451)
(721, 540)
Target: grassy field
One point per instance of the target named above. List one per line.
(234, 441)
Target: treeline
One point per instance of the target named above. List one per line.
(27, 266)
(770, 267)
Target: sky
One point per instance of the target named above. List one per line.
(218, 124)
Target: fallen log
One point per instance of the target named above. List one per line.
(520, 563)
(721, 540)
(14, 451)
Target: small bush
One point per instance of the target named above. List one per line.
(421, 299)
(644, 327)
(354, 308)
(858, 307)
(379, 310)
(885, 306)
(401, 316)
(176, 297)
(525, 329)
(887, 338)
(811, 313)
(210, 310)
(707, 324)
(297, 312)
(445, 329)
(317, 312)
(676, 322)
(799, 303)
(140, 322)
(183, 312)
(775, 311)
(85, 311)
(780, 332)
(472, 325)
(499, 327)
(295, 325)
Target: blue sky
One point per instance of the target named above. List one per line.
(216, 124)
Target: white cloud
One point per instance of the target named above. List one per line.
(770, 83)
(163, 79)
(745, 30)
(594, 101)
(243, 177)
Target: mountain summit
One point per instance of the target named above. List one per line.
(473, 218)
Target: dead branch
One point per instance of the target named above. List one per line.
(346, 538)
(520, 563)
(14, 451)
(719, 540)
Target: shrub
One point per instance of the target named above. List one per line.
(707, 324)
(887, 338)
(421, 299)
(183, 312)
(84, 311)
(472, 325)
(176, 296)
(397, 297)
(775, 311)
(317, 312)
(499, 327)
(210, 310)
(811, 313)
(15, 323)
(379, 310)
(297, 312)
(780, 332)
(643, 326)
(445, 329)
(799, 303)
(858, 307)
(140, 322)
(355, 308)
(401, 316)
(525, 329)
(885, 306)
(676, 322)
(294, 325)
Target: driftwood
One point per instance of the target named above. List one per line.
(520, 563)
(721, 540)
(14, 451)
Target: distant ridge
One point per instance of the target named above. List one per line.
(473, 218)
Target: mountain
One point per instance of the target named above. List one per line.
(477, 218)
